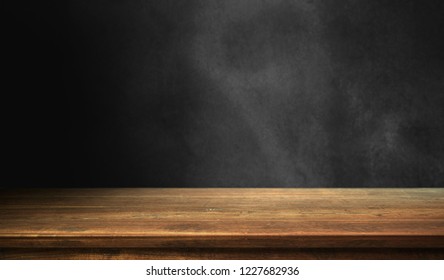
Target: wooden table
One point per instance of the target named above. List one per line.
(144, 223)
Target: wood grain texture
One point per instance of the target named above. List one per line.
(297, 222)
(221, 253)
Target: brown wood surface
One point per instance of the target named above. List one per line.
(206, 223)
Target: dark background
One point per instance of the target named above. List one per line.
(103, 93)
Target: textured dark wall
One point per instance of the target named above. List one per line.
(303, 93)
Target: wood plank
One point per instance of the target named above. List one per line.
(221, 254)
(222, 218)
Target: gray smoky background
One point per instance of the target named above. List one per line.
(224, 93)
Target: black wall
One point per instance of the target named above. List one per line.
(223, 93)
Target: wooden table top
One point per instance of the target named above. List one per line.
(222, 218)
